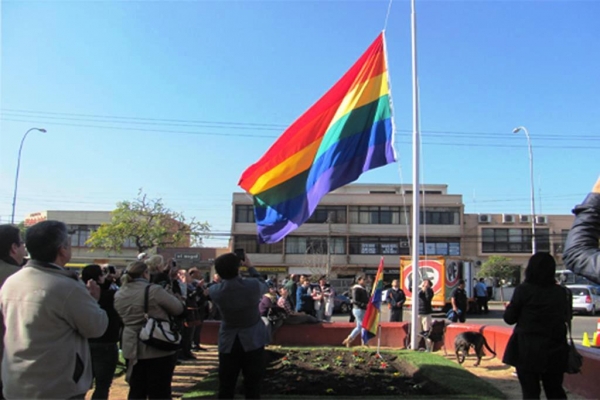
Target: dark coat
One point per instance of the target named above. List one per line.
(581, 254)
(425, 299)
(539, 341)
(360, 297)
(396, 298)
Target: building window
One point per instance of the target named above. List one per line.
(440, 216)
(439, 247)
(503, 240)
(379, 245)
(378, 215)
(314, 245)
(250, 245)
(322, 213)
(559, 244)
(244, 213)
(80, 234)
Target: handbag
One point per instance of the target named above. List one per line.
(158, 333)
(574, 359)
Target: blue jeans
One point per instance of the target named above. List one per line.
(359, 315)
(104, 363)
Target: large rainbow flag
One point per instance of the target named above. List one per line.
(346, 132)
(370, 322)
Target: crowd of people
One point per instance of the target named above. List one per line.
(63, 331)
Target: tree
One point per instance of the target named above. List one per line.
(497, 267)
(147, 223)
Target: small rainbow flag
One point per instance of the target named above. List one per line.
(346, 132)
(371, 320)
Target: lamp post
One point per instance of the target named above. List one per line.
(14, 202)
(517, 130)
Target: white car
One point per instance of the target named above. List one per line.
(586, 298)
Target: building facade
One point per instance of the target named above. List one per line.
(354, 226)
(81, 224)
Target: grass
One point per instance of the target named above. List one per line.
(453, 381)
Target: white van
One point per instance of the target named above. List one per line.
(567, 277)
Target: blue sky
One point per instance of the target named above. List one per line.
(178, 98)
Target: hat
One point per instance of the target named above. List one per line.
(142, 256)
(92, 271)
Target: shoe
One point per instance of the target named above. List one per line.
(347, 342)
(195, 348)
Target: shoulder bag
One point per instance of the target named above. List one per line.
(158, 333)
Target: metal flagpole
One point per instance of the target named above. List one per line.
(416, 187)
(378, 339)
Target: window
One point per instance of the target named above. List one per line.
(250, 245)
(559, 245)
(379, 245)
(439, 247)
(314, 245)
(384, 215)
(80, 234)
(321, 214)
(503, 240)
(440, 216)
(244, 213)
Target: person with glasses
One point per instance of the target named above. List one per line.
(49, 316)
(12, 254)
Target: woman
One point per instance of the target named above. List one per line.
(149, 370)
(268, 306)
(538, 346)
(293, 317)
(360, 299)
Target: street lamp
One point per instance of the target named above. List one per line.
(517, 130)
(14, 202)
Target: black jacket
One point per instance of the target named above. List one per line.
(106, 302)
(396, 298)
(425, 299)
(360, 297)
(539, 341)
(581, 254)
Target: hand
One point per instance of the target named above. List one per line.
(596, 188)
(93, 289)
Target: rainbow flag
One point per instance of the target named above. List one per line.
(346, 132)
(371, 320)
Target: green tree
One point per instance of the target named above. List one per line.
(497, 267)
(147, 223)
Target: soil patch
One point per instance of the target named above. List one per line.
(341, 373)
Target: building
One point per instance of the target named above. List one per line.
(354, 226)
(82, 223)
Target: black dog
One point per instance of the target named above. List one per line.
(465, 341)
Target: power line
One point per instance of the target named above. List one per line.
(407, 142)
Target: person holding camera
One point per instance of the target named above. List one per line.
(104, 350)
(581, 254)
(242, 335)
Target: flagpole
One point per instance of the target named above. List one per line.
(416, 195)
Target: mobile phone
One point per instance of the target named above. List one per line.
(241, 254)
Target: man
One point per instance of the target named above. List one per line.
(292, 286)
(49, 315)
(460, 301)
(12, 253)
(243, 335)
(481, 296)
(396, 299)
(581, 254)
(425, 310)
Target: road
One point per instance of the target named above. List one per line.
(581, 323)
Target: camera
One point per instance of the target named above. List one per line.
(241, 254)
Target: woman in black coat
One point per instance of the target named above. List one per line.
(538, 346)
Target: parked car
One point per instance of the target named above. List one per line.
(586, 298)
(342, 304)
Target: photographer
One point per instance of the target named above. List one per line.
(581, 254)
(104, 350)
